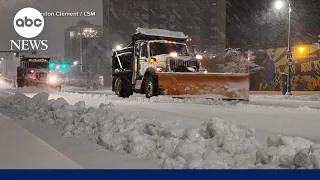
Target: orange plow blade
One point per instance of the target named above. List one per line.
(207, 85)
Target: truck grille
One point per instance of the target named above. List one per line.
(41, 76)
(178, 62)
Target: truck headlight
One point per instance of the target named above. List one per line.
(173, 54)
(199, 57)
(159, 69)
(52, 79)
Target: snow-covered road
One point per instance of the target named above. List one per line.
(294, 116)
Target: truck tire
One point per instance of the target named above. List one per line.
(122, 87)
(19, 83)
(58, 88)
(151, 87)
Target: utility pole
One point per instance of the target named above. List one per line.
(81, 48)
(6, 67)
(289, 52)
(88, 76)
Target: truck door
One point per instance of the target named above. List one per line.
(143, 60)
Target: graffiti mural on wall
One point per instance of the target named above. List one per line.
(305, 69)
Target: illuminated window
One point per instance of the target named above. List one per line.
(72, 34)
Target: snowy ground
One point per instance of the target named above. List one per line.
(179, 133)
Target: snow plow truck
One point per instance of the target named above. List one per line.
(157, 62)
(34, 71)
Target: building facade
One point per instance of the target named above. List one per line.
(84, 45)
(204, 21)
(78, 39)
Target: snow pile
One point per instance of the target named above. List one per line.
(314, 97)
(4, 84)
(216, 144)
(160, 99)
(306, 109)
(34, 89)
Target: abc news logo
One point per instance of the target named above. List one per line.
(28, 23)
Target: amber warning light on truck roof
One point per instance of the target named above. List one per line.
(37, 60)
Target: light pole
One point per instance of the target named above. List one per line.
(76, 63)
(6, 62)
(279, 5)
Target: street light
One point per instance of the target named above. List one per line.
(301, 49)
(75, 63)
(118, 47)
(279, 4)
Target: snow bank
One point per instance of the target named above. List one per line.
(198, 100)
(4, 84)
(161, 99)
(314, 97)
(216, 144)
(33, 89)
(306, 109)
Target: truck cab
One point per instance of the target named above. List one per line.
(152, 51)
(166, 56)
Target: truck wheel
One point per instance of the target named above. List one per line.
(58, 88)
(113, 83)
(151, 87)
(19, 84)
(122, 88)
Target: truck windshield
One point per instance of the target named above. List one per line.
(166, 48)
(40, 65)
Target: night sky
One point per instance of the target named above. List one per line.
(257, 23)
